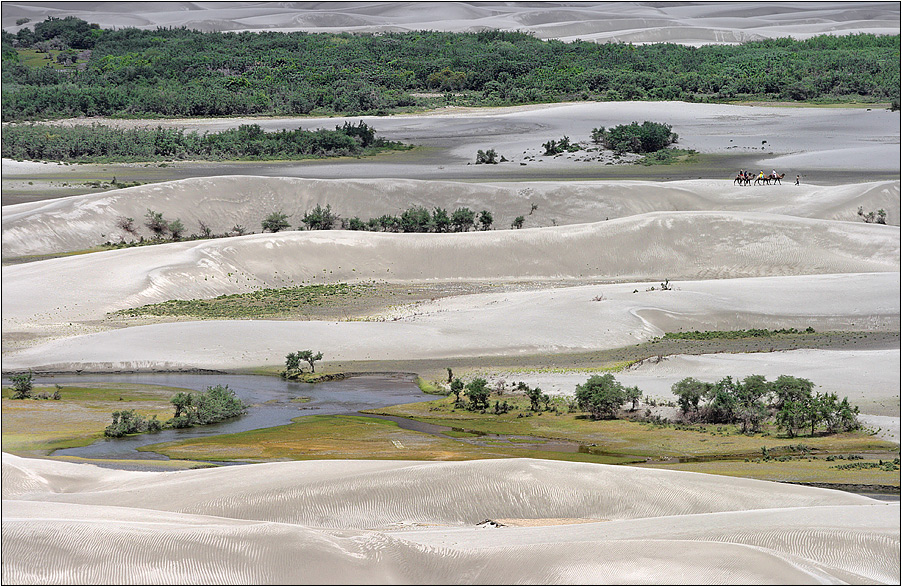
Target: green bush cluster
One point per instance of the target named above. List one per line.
(181, 72)
(98, 143)
(214, 405)
(647, 137)
(128, 422)
(790, 401)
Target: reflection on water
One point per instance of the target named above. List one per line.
(269, 398)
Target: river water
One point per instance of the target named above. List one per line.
(269, 399)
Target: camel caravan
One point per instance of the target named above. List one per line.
(747, 177)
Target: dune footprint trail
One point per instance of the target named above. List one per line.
(383, 522)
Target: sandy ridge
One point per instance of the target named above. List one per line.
(560, 320)
(222, 202)
(655, 246)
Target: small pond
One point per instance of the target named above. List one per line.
(270, 400)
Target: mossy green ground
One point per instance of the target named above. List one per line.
(719, 449)
(38, 427)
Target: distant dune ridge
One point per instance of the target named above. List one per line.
(82, 222)
(635, 22)
(384, 522)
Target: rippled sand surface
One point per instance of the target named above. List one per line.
(411, 522)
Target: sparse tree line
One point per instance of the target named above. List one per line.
(100, 143)
(23, 388)
(216, 404)
(181, 72)
(413, 219)
(878, 217)
(788, 402)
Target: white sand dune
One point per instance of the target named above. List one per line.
(81, 222)
(636, 22)
(357, 522)
(560, 320)
(675, 245)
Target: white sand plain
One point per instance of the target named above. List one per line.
(378, 522)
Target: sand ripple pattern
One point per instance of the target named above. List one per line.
(330, 522)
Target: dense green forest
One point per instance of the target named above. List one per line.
(182, 72)
(99, 143)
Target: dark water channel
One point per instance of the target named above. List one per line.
(270, 400)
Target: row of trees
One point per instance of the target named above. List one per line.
(789, 400)
(181, 72)
(216, 404)
(97, 142)
(414, 219)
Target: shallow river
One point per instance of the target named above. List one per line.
(269, 399)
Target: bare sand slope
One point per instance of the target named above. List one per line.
(637, 22)
(326, 522)
(680, 245)
(81, 222)
(559, 320)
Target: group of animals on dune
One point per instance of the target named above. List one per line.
(747, 177)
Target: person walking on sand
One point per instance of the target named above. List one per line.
(797, 180)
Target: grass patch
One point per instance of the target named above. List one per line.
(430, 387)
(650, 441)
(800, 470)
(350, 437)
(670, 157)
(734, 334)
(36, 428)
(265, 303)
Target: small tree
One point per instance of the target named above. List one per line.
(457, 386)
(181, 401)
(518, 222)
(205, 231)
(310, 357)
(463, 219)
(489, 157)
(176, 228)
(275, 222)
(441, 222)
(601, 396)
(22, 385)
(126, 224)
(690, 392)
(477, 391)
(156, 223)
(598, 135)
(416, 219)
(633, 394)
(486, 219)
(320, 218)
